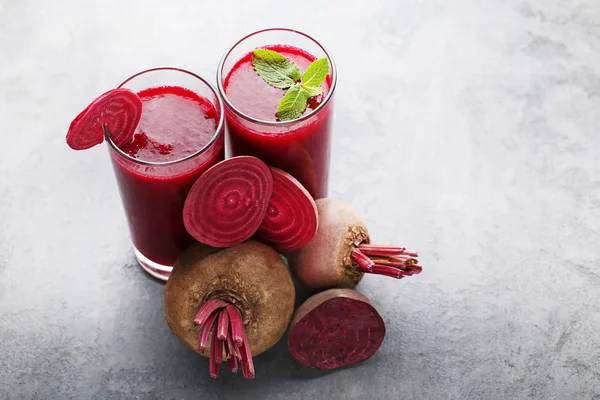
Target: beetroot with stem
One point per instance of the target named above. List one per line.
(340, 253)
(335, 328)
(228, 202)
(229, 304)
(291, 220)
(119, 110)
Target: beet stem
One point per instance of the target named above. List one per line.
(233, 350)
(387, 271)
(218, 350)
(223, 325)
(413, 270)
(229, 341)
(206, 329)
(247, 362)
(207, 309)
(364, 263)
(237, 326)
(402, 257)
(374, 250)
(233, 364)
(213, 367)
(402, 264)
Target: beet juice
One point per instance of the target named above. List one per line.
(300, 147)
(178, 137)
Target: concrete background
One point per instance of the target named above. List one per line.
(466, 129)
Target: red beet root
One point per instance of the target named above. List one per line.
(228, 202)
(340, 254)
(335, 328)
(119, 109)
(291, 220)
(230, 304)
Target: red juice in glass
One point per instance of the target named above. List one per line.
(301, 146)
(178, 137)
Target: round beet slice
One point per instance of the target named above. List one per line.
(119, 109)
(291, 220)
(228, 202)
(335, 328)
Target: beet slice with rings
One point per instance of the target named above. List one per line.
(228, 202)
(119, 109)
(335, 328)
(292, 219)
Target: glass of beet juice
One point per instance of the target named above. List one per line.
(179, 136)
(300, 147)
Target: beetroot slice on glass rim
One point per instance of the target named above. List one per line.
(292, 219)
(228, 202)
(119, 109)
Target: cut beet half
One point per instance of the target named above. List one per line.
(292, 219)
(228, 202)
(335, 328)
(119, 109)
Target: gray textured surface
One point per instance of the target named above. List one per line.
(476, 143)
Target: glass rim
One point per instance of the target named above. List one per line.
(204, 148)
(275, 123)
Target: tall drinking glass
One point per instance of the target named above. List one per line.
(180, 135)
(300, 147)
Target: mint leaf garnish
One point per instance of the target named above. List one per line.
(316, 73)
(281, 73)
(312, 91)
(275, 69)
(293, 103)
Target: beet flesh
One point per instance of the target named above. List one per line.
(335, 328)
(227, 204)
(119, 109)
(291, 220)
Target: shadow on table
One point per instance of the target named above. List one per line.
(145, 354)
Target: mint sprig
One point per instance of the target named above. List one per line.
(275, 69)
(316, 73)
(293, 103)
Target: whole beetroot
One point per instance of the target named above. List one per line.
(340, 253)
(229, 304)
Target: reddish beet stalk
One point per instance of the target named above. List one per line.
(218, 327)
(395, 262)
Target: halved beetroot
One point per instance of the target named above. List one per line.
(119, 109)
(335, 328)
(292, 219)
(228, 202)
